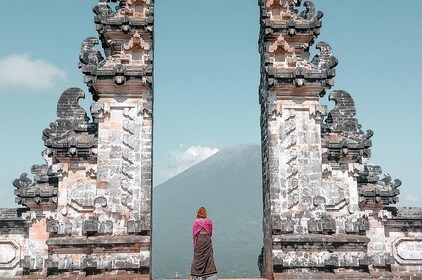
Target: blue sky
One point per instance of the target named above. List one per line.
(207, 77)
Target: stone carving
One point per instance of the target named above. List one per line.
(83, 195)
(325, 59)
(137, 227)
(310, 11)
(360, 225)
(40, 193)
(89, 207)
(282, 225)
(375, 190)
(324, 205)
(89, 55)
(290, 144)
(72, 135)
(324, 225)
(408, 250)
(280, 52)
(341, 118)
(102, 9)
(92, 226)
(32, 264)
(343, 139)
(23, 181)
(10, 254)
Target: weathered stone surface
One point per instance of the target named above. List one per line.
(324, 205)
(72, 135)
(89, 207)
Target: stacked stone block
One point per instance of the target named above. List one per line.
(325, 212)
(88, 209)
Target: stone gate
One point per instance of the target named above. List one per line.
(87, 210)
(326, 210)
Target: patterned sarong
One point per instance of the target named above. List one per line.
(203, 257)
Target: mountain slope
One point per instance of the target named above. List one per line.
(228, 184)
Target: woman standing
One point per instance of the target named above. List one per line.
(203, 266)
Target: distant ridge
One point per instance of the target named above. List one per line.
(234, 156)
(228, 184)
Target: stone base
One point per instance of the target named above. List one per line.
(83, 276)
(122, 276)
(347, 276)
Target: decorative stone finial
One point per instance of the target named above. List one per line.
(89, 55)
(72, 131)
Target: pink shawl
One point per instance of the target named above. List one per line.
(198, 225)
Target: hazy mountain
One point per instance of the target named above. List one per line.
(228, 184)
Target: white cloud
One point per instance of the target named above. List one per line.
(183, 159)
(21, 71)
(414, 198)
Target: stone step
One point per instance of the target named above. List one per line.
(128, 276)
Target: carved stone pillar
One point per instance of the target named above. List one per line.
(291, 115)
(122, 86)
(324, 205)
